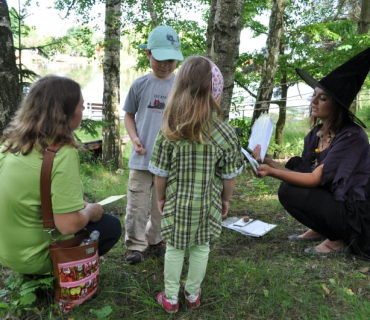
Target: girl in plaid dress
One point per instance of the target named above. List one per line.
(196, 159)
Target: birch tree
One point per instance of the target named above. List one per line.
(112, 151)
(223, 39)
(364, 22)
(9, 85)
(152, 12)
(271, 59)
(280, 124)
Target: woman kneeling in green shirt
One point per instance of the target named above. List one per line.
(49, 113)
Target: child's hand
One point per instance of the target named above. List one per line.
(257, 153)
(139, 148)
(161, 206)
(225, 208)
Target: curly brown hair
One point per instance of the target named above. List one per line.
(43, 116)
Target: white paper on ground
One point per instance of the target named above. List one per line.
(261, 134)
(254, 228)
(111, 199)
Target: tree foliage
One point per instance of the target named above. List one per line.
(25, 38)
(82, 41)
(137, 24)
(319, 35)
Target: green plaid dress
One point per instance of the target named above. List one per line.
(192, 210)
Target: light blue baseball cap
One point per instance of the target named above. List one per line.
(164, 44)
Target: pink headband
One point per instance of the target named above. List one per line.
(217, 82)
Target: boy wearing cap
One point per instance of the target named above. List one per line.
(144, 107)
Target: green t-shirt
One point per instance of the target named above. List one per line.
(23, 242)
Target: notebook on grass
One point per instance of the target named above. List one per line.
(253, 228)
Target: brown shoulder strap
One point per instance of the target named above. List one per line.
(45, 185)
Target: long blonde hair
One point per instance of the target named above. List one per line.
(190, 109)
(43, 116)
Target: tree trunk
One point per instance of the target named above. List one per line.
(271, 59)
(211, 27)
(362, 28)
(282, 111)
(280, 124)
(9, 86)
(364, 22)
(223, 39)
(112, 152)
(152, 12)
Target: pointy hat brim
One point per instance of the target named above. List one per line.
(313, 83)
(343, 83)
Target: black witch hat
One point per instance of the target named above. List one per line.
(344, 83)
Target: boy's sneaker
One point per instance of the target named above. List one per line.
(170, 305)
(192, 300)
(158, 249)
(134, 256)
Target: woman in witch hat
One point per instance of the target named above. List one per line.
(327, 188)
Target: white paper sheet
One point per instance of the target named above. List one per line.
(254, 228)
(253, 162)
(261, 134)
(111, 199)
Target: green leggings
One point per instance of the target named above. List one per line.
(174, 260)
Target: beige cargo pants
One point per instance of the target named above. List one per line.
(143, 220)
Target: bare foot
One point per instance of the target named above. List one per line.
(309, 234)
(328, 246)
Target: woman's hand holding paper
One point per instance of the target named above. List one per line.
(263, 170)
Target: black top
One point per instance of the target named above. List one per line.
(346, 162)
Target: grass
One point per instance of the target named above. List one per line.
(247, 278)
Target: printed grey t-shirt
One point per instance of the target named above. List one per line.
(146, 99)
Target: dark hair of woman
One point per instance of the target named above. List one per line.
(338, 118)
